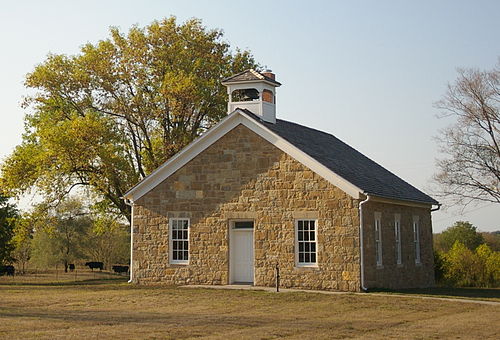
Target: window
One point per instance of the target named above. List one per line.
(416, 238)
(305, 235)
(397, 237)
(243, 225)
(378, 238)
(179, 240)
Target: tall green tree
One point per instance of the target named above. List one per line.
(22, 240)
(61, 233)
(461, 231)
(108, 116)
(8, 216)
(492, 239)
(107, 241)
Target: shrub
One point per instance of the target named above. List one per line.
(462, 267)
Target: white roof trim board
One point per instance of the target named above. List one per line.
(257, 74)
(211, 136)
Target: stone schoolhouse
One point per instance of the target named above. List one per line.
(254, 192)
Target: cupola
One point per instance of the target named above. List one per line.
(254, 91)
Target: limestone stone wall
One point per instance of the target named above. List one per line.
(390, 274)
(244, 176)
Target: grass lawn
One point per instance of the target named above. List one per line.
(108, 307)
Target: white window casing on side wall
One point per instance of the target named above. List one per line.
(378, 238)
(397, 238)
(416, 238)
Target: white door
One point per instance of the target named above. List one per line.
(242, 255)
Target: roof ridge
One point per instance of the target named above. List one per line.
(257, 74)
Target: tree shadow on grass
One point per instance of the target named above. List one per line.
(469, 293)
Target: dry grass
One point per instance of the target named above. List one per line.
(114, 309)
(485, 294)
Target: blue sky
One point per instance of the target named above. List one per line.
(365, 71)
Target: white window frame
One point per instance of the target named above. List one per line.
(171, 241)
(378, 238)
(397, 238)
(416, 239)
(306, 264)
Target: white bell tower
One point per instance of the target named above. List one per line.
(254, 91)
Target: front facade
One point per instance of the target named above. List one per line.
(244, 199)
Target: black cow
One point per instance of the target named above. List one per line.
(120, 269)
(9, 270)
(93, 265)
(71, 267)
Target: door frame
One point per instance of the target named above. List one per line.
(231, 244)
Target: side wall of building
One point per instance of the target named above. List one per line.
(242, 176)
(408, 274)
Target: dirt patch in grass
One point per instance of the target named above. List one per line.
(110, 309)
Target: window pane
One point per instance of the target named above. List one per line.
(312, 235)
(306, 247)
(313, 258)
(301, 257)
(312, 225)
(306, 236)
(185, 245)
(307, 258)
(301, 235)
(301, 246)
(185, 235)
(243, 225)
(313, 247)
(300, 225)
(185, 224)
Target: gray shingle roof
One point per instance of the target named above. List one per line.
(249, 75)
(346, 162)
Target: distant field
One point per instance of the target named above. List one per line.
(59, 276)
(108, 308)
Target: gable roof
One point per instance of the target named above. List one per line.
(323, 153)
(249, 75)
(346, 161)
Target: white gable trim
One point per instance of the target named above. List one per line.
(302, 157)
(183, 156)
(214, 134)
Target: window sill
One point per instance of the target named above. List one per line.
(179, 264)
(299, 265)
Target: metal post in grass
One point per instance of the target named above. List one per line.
(277, 277)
